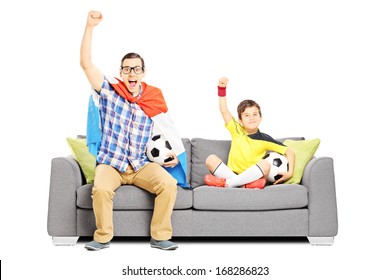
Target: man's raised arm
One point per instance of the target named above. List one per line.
(95, 77)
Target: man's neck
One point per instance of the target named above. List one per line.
(137, 93)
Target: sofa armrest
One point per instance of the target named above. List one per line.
(319, 178)
(65, 178)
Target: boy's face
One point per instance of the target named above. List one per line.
(250, 119)
(132, 80)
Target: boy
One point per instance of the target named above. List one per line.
(246, 166)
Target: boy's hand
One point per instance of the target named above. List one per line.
(285, 177)
(94, 18)
(223, 82)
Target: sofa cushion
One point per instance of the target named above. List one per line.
(270, 198)
(84, 158)
(304, 150)
(201, 149)
(128, 197)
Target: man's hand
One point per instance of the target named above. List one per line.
(173, 162)
(94, 18)
(223, 82)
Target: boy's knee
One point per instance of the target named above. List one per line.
(209, 158)
(265, 167)
(212, 161)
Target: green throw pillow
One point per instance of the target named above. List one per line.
(85, 159)
(304, 150)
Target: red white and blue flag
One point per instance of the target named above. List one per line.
(152, 102)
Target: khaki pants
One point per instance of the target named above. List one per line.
(152, 178)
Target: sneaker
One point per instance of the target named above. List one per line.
(163, 245)
(96, 246)
(213, 181)
(258, 184)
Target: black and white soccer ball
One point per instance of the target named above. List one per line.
(157, 149)
(279, 164)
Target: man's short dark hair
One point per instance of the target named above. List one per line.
(133, 55)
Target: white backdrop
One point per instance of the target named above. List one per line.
(317, 68)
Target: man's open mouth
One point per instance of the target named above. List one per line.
(132, 83)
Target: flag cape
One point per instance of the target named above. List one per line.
(94, 130)
(153, 104)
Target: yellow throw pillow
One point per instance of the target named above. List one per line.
(304, 150)
(85, 159)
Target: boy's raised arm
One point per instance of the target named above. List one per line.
(227, 116)
(95, 77)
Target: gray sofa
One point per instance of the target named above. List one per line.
(307, 209)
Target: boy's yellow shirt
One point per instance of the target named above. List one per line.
(245, 151)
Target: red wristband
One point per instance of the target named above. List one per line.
(221, 91)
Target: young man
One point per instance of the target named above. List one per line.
(246, 166)
(126, 128)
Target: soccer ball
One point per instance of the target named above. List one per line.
(157, 149)
(279, 164)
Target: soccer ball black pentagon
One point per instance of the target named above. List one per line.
(278, 164)
(157, 149)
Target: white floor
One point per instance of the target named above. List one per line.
(284, 259)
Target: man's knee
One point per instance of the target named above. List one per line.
(102, 193)
(167, 187)
(106, 178)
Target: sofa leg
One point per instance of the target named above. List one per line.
(321, 240)
(65, 240)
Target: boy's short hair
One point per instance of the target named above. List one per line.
(247, 104)
(133, 55)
